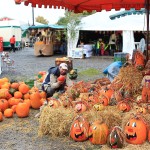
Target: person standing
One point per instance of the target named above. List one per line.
(12, 43)
(112, 43)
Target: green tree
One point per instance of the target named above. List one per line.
(42, 20)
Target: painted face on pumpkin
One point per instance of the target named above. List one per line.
(124, 107)
(79, 130)
(135, 131)
(115, 138)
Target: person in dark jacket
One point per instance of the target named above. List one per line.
(51, 84)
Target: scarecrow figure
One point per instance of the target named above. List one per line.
(146, 87)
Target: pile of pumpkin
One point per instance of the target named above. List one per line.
(18, 97)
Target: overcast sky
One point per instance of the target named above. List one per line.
(8, 8)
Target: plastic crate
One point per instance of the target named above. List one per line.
(119, 56)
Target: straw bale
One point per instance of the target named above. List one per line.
(55, 122)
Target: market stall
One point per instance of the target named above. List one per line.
(46, 39)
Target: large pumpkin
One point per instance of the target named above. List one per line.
(22, 110)
(115, 138)
(135, 131)
(35, 98)
(79, 129)
(98, 133)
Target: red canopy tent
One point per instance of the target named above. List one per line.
(89, 5)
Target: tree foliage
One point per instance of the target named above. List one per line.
(42, 20)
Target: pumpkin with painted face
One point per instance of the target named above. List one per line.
(124, 106)
(149, 135)
(115, 138)
(80, 107)
(98, 133)
(79, 129)
(135, 131)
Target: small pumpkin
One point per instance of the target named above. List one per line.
(80, 107)
(79, 129)
(123, 106)
(115, 138)
(8, 113)
(15, 85)
(1, 116)
(23, 88)
(98, 132)
(3, 104)
(61, 78)
(22, 110)
(53, 103)
(133, 131)
(98, 107)
(18, 94)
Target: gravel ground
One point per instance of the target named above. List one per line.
(21, 134)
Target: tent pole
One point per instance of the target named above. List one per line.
(147, 10)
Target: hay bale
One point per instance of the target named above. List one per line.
(111, 116)
(55, 122)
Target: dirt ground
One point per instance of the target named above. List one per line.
(22, 133)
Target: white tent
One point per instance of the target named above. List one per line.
(100, 21)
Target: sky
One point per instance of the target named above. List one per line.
(8, 8)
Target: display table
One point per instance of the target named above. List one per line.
(85, 49)
(43, 49)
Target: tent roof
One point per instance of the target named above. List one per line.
(100, 21)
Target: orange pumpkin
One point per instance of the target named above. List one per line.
(15, 85)
(26, 96)
(149, 135)
(104, 99)
(79, 129)
(22, 110)
(14, 101)
(4, 93)
(53, 103)
(1, 116)
(8, 113)
(135, 131)
(28, 101)
(35, 98)
(3, 104)
(14, 108)
(23, 88)
(18, 94)
(98, 133)
(123, 106)
(43, 94)
(80, 107)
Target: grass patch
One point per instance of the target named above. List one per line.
(89, 72)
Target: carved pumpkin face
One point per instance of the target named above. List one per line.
(79, 129)
(115, 138)
(124, 106)
(98, 133)
(80, 107)
(135, 131)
